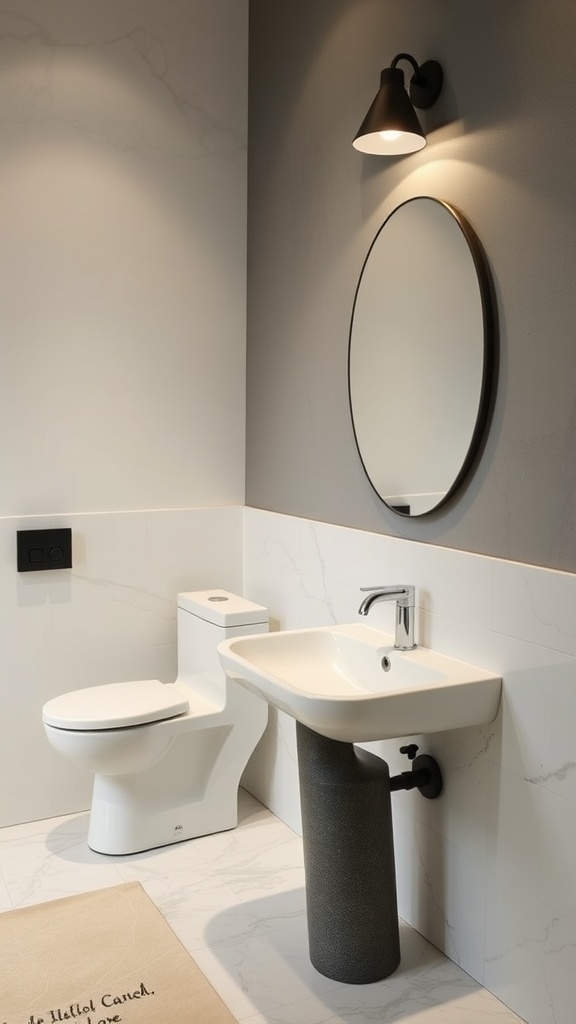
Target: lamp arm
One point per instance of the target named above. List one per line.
(406, 56)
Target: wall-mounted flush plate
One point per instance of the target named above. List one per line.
(44, 549)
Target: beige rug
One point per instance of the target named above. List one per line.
(103, 957)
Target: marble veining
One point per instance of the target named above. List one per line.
(236, 901)
(26, 38)
(560, 773)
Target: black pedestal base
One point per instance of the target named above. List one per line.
(348, 859)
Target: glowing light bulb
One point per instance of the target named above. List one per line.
(390, 136)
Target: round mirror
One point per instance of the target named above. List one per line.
(420, 355)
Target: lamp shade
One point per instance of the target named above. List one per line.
(391, 126)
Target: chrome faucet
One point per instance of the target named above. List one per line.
(405, 600)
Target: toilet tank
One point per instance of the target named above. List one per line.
(205, 617)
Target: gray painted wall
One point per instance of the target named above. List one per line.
(503, 150)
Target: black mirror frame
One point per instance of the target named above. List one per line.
(490, 355)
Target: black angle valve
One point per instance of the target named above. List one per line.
(425, 774)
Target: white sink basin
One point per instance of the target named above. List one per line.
(332, 680)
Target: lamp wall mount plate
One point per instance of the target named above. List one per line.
(426, 84)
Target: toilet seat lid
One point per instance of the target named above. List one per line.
(115, 705)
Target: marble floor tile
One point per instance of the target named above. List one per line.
(236, 900)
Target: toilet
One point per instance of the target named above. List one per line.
(167, 757)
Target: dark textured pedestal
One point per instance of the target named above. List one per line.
(348, 859)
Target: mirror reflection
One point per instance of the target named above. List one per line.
(420, 355)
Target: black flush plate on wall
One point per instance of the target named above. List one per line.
(44, 549)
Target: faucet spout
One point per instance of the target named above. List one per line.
(405, 603)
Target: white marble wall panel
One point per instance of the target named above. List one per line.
(109, 618)
(487, 872)
(122, 254)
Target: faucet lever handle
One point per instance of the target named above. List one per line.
(386, 590)
(403, 592)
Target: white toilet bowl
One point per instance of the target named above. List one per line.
(167, 757)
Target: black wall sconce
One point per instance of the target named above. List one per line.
(391, 126)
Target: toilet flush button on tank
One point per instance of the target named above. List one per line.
(223, 608)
